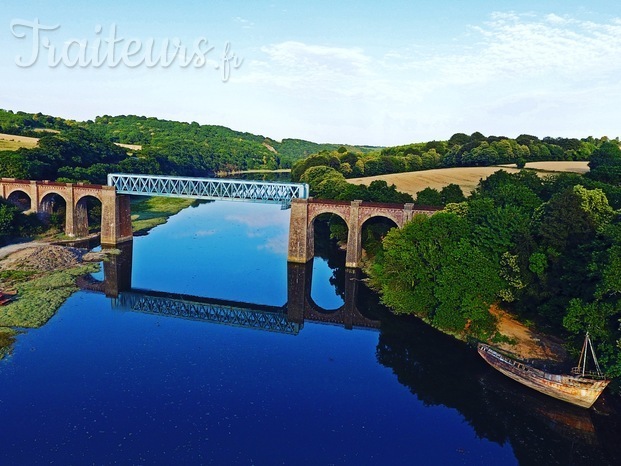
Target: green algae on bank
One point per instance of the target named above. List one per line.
(149, 212)
(40, 298)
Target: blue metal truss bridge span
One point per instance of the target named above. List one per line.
(236, 314)
(208, 188)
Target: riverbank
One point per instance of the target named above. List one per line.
(44, 275)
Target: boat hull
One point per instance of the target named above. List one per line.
(579, 391)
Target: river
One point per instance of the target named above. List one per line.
(311, 370)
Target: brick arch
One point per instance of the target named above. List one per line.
(301, 306)
(397, 220)
(340, 210)
(314, 311)
(81, 212)
(94, 194)
(44, 193)
(20, 189)
(25, 192)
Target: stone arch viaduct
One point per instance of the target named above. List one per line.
(115, 209)
(355, 214)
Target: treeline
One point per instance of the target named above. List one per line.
(460, 150)
(227, 148)
(548, 249)
(31, 124)
(161, 147)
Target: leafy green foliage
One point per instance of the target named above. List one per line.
(429, 197)
(13, 223)
(550, 250)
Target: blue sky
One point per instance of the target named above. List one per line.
(377, 73)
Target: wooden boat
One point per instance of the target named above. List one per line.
(580, 388)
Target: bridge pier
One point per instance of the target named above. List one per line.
(118, 271)
(299, 281)
(353, 258)
(116, 222)
(301, 233)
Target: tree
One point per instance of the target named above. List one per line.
(406, 272)
(429, 197)
(452, 193)
(464, 299)
(608, 153)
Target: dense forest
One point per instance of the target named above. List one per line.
(86, 151)
(547, 249)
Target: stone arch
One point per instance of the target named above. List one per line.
(45, 196)
(392, 216)
(51, 202)
(48, 200)
(319, 212)
(20, 199)
(311, 228)
(84, 206)
(314, 309)
(92, 193)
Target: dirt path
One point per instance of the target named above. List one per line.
(527, 344)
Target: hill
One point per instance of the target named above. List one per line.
(217, 148)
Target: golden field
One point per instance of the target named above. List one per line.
(466, 177)
(12, 142)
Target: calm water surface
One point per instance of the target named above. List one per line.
(102, 384)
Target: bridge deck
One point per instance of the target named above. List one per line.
(208, 188)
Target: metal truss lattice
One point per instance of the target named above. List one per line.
(206, 188)
(236, 316)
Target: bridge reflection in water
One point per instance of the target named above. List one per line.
(288, 319)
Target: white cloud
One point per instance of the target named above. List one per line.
(264, 220)
(243, 22)
(510, 46)
(418, 88)
(276, 245)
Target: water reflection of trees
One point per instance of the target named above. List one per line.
(442, 371)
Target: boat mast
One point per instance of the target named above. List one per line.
(586, 346)
(599, 371)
